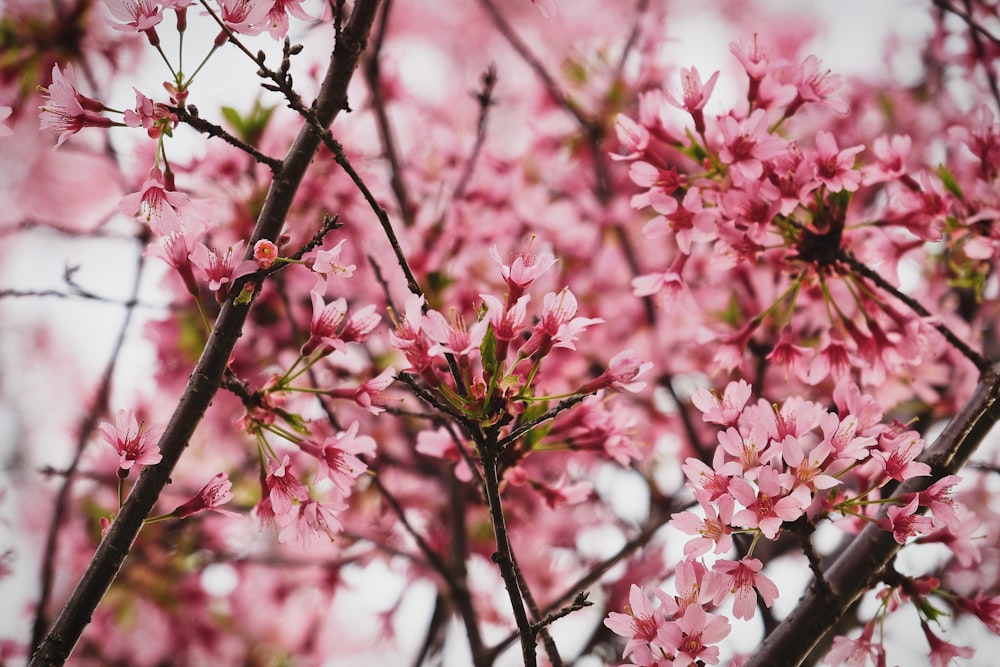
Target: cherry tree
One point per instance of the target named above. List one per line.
(496, 333)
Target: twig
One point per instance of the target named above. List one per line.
(211, 129)
(982, 364)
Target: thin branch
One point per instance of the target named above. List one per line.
(185, 115)
(551, 413)
(982, 364)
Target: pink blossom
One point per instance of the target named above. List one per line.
(525, 269)
(985, 607)
(740, 579)
(283, 488)
(857, 652)
(707, 482)
(714, 529)
(155, 117)
(726, 411)
(327, 264)
(813, 84)
(558, 326)
(695, 95)
(747, 143)
(621, 374)
(338, 458)
(313, 518)
(264, 253)
(904, 523)
(835, 167)
(453, 337)
(217, 491)
(767, 507)
(640, 624)
(938, 497)
(943, 653)
(326, 319)
(633, 137)
(690, 637)
(134, 441)
(370, 393)
(689, 221)
(221, 270)
(66, 111)
(277, 17)
(160, 207)
(896, 456)
(245, 17)
(137, 16)
(890, 154)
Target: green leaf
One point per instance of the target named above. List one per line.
(949, 181)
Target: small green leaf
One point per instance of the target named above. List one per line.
(949, 181)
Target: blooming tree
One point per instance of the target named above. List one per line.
(488, 333)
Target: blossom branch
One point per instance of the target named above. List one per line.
(982, 364)
(856, 568)
(207, 375)
(186, 115)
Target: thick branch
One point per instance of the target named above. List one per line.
(207, 375)
(855, 570)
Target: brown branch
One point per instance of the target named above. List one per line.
(207, 375)
(857, 568)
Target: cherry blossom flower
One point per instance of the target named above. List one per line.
(904, 523)
(890, 154)
(632, 136)
(245, 17)
(264, 253)
(327, 264)
(137, 16)
(370, 393)
(66, 111)
(159, 207)
(175, 248)
(835, 167)
(726, 411)
(695, 95)
(558, 326)
(277, 16)
(689, 221)
(134, 441)
(155, 117)
(985, 607)
(221, 270)
(338, 458)
(217, 491)
(740, 578)
(620, 375)
(640, 624)
(857, 652)
(766, 506)
(714, 529)
(313, 518)
(525, 269)
(283, 488)
(326, 319)
(453, 337)
(747, 143)
(690, 637)
(943, 653)
(813, 84)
